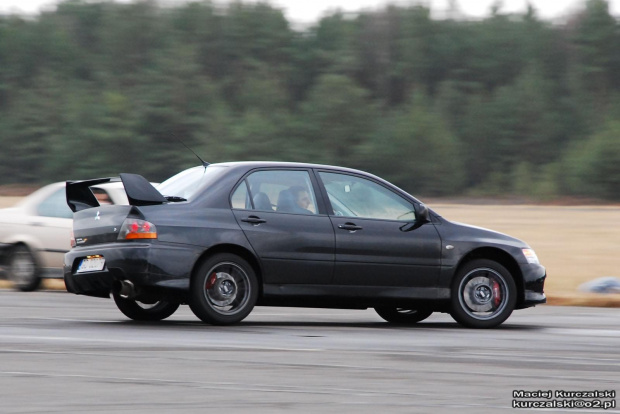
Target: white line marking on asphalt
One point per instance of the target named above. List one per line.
(586, 332)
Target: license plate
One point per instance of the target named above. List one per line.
(91, 264)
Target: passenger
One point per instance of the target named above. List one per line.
(302, 199)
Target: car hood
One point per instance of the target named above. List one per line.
(466, 232)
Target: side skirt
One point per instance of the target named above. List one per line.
(353, 297)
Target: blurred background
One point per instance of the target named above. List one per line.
(501, 114)
(480, 108)
(440, 102)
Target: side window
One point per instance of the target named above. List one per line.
(353, 196)
(55, 206)
(282, 191)
(241, 198)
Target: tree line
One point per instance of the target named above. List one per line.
(509, 104)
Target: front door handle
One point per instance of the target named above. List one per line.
(254, 220)
(350, 227)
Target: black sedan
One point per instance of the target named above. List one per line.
(224, 238)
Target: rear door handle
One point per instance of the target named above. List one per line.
(254, 220)
(350, 227)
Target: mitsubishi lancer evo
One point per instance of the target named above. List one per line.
(223, 238)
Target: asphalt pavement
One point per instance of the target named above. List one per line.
(61, 353)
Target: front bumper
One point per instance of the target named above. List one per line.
(152, 268)
(534, 276)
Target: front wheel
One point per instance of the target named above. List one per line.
(403, 315)
(224, 290)
(23, 270)
(140, 311)
(484, 294)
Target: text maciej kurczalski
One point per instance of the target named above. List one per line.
(563, 394)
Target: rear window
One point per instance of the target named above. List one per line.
(187, 182)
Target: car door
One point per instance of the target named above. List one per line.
(376, 243)
(51, 227)
(287, 226)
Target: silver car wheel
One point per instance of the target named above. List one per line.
(483, 293)
(148, 306)
(23, 269)
(227, 288)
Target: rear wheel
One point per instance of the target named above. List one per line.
(140, 311)
(23, 269)
(403, 315)
(483, 294)
(224, 290)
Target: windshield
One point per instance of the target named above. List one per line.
(185, 183)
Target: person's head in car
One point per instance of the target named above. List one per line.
(302, 198)
(102, 196)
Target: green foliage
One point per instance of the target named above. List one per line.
(593, 165)
(509, 104)
(335, 120)
(416, 150)
(596, 36)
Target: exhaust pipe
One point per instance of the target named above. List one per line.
(126, 290)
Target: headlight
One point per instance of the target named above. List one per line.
(530, 256)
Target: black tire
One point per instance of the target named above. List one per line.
(403, 315)
(24, 270)
(224, 290)
(484, 294)
(139, 311)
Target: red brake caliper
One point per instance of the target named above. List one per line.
(211, 281)
(497, 294)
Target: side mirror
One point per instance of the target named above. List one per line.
(422, 216)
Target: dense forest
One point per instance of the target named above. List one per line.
(506, 105)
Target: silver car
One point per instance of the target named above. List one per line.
(36, 233)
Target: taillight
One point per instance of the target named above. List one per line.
(137, 229)
(72, 239)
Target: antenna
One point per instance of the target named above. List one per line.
(204, 163)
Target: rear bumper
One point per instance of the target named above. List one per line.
(534, 276)
(164, 269)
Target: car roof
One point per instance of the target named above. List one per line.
(249, 165)
(39, 195)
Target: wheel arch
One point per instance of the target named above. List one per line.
(28, 240)
(240, 251)
(502, 257)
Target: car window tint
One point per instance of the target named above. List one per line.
(353, 196)
(241, 197)
(55, 205)
(282, 191)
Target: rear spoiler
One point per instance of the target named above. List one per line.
(140, 192)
